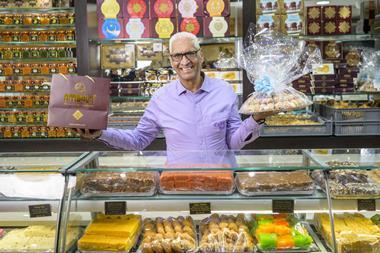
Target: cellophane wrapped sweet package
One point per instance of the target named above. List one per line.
(272, 61)
(369, 76)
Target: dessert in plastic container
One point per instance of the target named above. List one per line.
(37, 238)
(197, 182)
(349, 184)
(272, 61)
(225, 233)
(354, 233)
(118, 183)
(279, 183)
(169, 235)
(111, 233)
(279, 233)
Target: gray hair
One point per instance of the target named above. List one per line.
(184, 35)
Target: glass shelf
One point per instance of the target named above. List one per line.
(201, 40)
(22, 93)
(35, 27)
(42, 43)
(37, 10)
(342, 38)
(39, 60)
(138, 82)
(128, 98)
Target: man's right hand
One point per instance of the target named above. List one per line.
(88, 134)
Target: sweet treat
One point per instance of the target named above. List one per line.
(256, 183)
(169, 235)
(289, 119)
(196, 182)
(119, 183)
(349, 184)
(354, 233)
(38, 238)
(111, 233)
(225, 233)
(280, 232)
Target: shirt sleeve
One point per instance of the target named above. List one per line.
(238, 131)
(139, 138)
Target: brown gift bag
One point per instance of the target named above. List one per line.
(79, 102)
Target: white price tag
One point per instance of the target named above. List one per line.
(157, 47)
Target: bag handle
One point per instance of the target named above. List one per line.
(91, 79)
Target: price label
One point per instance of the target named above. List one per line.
(200, 208)
(115, 208)
(366, 205)
(282, 206)
(43, 210)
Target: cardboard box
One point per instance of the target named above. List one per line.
(136, 28)
(293, 5)
(332, 50)
(117, 56)
(193, 25)
(216, 27)
(162, 9)
(163, 28)
(216, 8)
(329, 12)
(330, 27)
(314, 20)
(190, 8)
(269, 21)
(344, 12)
(324, 77)
(325, 83)
(294, 23)
(136, 9)
(343, 90)
(110, 28)
(343, 27)
(113, 9)
(270, 6)
(324, 90)
(149, 51)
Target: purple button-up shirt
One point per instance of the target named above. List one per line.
(204, 120)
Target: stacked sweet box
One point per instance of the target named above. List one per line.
(190, 16)
(110, 19)
(136, 22)
(163, 18)
(216, 18)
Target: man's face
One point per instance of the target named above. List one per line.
(188, 66)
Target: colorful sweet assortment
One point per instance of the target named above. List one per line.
(225, 233)
(280, 232)
(36, 238)
(169, 235)
(207, 182)
(354, 233)
(111, 233)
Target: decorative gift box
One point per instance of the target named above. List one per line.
(216, 26)
(79, 102)
(293, 5)
(269, 6)
(332, 50)
(117, 56)
(324, 77)
(109, 8)
(216, 8)
(293, 23)
(163, 27)
(325, 83)
(269, 21)
(162, 8)
(192, 25)
(136, 28)
(324, 90)
(190, 8)
(314, 20)
(149, 51)
(136, 9)
(110, 28)
(337, 19)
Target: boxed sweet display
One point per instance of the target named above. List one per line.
(136, 9)
(118, 183)
(216, 8)
(280, 232)
(110, 28)
(216, 27)
(190, 8)
(111, 233)
(192, 25)
(162, 8)
(269, 6)
(200, 182)
(274, 183)
(109, 8)
(169, 235)
(163, 28)
(225, 233)
(136, 28)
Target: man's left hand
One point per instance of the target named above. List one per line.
(262, 116)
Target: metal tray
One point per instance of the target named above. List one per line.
(354, 114)
(357, 128)
(324, 128)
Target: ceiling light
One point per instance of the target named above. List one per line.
(323, 2)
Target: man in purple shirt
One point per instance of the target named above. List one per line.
(195, 112)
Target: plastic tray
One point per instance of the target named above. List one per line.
(291, 191)
(324, 128)
(95, 189)
(357, 128)
(354, 114)
(195, 183)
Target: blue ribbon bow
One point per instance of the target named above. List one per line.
(263, 85)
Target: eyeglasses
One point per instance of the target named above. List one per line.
(191, 56)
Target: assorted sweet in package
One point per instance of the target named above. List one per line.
(272, 62)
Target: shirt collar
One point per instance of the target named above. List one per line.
(206, 85)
